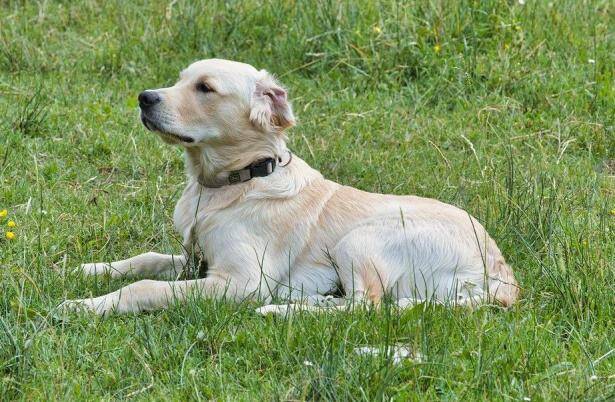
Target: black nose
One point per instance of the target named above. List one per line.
(148, 98)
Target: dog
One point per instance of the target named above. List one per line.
(271, 227)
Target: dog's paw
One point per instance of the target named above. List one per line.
(277, 309)
(94, 268)
(72, 306)
(95, 305)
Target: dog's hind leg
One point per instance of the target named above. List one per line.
(319, 304)
(314, 304)
(143, 265)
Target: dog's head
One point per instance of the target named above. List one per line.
(217, 102)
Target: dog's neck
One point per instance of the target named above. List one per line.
(209, 163)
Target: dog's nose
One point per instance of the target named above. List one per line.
(148, 98)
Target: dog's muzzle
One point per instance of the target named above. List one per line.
(147, 99)
(147, 102)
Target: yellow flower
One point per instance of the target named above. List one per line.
(437, 48)
(4, 213)
(11, 224)
(506, 46)
(377, 30)
(10, 235)
(613, 211)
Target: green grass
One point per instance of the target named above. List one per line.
(489, 105)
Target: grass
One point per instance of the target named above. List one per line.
(506, 110)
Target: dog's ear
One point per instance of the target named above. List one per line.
(270, 109)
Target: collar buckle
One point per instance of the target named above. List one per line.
(260, 168)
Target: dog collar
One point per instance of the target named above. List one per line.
(260, 168)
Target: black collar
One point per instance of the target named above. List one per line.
(260, 168)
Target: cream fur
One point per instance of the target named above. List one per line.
(294, 233)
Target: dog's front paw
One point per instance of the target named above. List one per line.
(95, 268)
(72, 306)
(96, 305)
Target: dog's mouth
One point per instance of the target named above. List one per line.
(151, 125)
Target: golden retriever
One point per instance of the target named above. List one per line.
(270, 226)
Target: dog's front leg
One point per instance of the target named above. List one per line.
(150, 295)
(143, 265)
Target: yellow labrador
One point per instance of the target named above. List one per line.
(271, 226)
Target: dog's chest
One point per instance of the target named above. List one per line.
(216, 221)
(192, 213)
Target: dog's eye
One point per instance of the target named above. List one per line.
(203, 87)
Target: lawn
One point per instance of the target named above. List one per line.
(504, 109)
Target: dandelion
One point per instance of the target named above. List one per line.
(437, 48)
(11, 224)
(613, 211)
(4, 213)
(10, 235)
(377, 30)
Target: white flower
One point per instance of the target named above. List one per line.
(522, 2)
(308, 363)
(591, 61)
